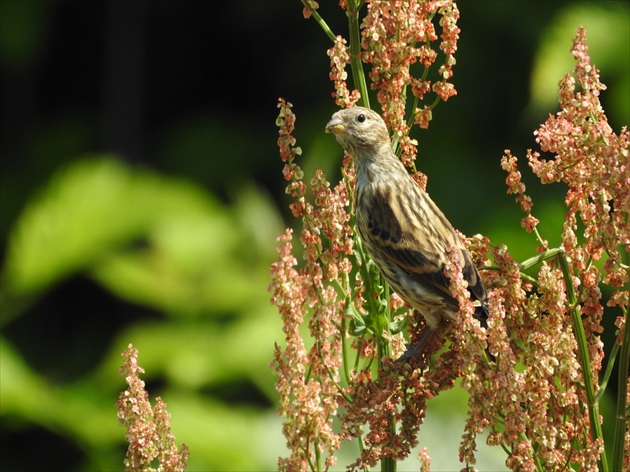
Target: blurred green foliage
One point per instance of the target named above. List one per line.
(609, 52)
(166, 244)
(173, 254)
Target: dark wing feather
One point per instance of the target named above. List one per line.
(471, 275)
(424, 267)
(424, 271)
(418, 253)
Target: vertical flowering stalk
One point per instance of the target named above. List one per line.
(148, 429)
(593, 162)
(315, 294)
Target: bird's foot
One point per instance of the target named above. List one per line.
(415, 351)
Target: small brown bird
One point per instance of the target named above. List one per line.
(404, 232)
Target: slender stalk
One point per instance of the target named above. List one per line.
(344, 344)
(320, 21)
(358, 74)
(318, 456)
(388, 464)
(532, 261)
(539, 238)
(622, 393)
(309, 459)
(584, 358)
(609, 369)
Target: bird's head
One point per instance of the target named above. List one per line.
(359, 130)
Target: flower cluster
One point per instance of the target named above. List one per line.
(148, 429)
(517, 187)
(397, 35)
(308, 378)
(339, 58)
(593, 162)
(534, 384)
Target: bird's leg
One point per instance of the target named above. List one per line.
(415, 351)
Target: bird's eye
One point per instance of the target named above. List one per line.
(361, 118)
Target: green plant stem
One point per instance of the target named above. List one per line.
(539, 465)
(344, 344)
(584, 358)
(622, 392)
(609, 369)
(539, 238)
(320, 21)
(388, 464)
(532, 261)
(358, 75)
(318, 456)
(311, 465)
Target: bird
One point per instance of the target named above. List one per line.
(402, 229)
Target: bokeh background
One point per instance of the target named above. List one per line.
(141, 196)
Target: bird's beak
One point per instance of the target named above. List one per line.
(335, 125)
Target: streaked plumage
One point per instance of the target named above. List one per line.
(404, 232)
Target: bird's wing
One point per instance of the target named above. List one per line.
(425, 272)
(417, 243)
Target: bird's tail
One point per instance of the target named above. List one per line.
(481, 313)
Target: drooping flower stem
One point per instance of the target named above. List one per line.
(584, 358)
